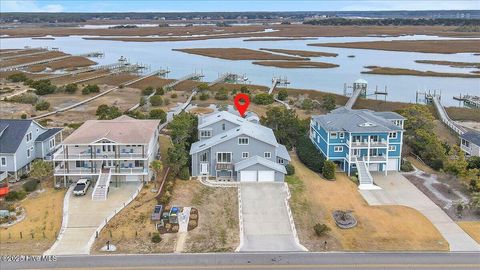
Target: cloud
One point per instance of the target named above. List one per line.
(28, 6)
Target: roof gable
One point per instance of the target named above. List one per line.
(14, 131)
(259, 160)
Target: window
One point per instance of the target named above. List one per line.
(341, 135)
(267, 155)
(374, 152)
(205, 133)
(392, 148)
(338, 149)
(280, 160)
(224, 157)
(374, 138)
(3, 161)
(28, 153)
(79, 163)
(138, 163)
(245, 154)
(392, 135)
(465, 143)
(38, 130)
(203, 157)
(29, 136)
(333, 135)
(243, 141)
(223, 126)
(51, 143)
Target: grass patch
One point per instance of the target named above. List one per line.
(472, 228)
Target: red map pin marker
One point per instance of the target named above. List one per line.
(241, 102)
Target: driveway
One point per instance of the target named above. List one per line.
(266, 223)
(84, 217)
(397, 190)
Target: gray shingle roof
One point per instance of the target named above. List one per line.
(13, 134)
(282, 152)
(343, 119)
(47, 134)
(259, 160)
(472, 136)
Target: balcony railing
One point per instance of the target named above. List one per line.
(59, 155)
(88, 171)
(224, 166)
(3, 175)
(380, 158)
(465, 148)
(381, 143)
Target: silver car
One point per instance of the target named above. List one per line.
(81, 187)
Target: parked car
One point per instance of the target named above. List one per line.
(81, 187)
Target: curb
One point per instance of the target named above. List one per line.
(240, 219)
(292, 222)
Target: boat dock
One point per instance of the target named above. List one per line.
(435, 99)
(277, 81)
(469, 100)
(192, 76)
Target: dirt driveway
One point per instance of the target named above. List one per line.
(397, 190)
(266, 223)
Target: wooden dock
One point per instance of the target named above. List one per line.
(442, 113)
(351, 101)
(469, 100)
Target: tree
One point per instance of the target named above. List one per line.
(456, 164)
(147, 91)
(17, 77)
(475, 200)
(204, 96)
(91, 88)
(157, 168)
(244, 90)
(40, 170)
(473, 162)
(307, 104)
(183, 128)
(285, 124)
(104, 112)
(158, 114)
(309, 154)
(160, 91)
(328, 170)
(71, 88)
(43, 87)
(263, 99)
(417, 117)
(177, 158)
(329, 102)
(156, 100)
(282, 94)
(222, 94)
(202, 87)
(42, 106)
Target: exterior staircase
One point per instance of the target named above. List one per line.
(364, 177)
(101, 187)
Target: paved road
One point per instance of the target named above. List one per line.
(397, 190)
(266, 223)
(303, 260)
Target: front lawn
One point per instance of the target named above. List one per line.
(380, 228)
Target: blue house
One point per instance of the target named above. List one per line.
(359, 140)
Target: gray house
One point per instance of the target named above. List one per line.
(22, 141)
(231, 147)
(470, 143)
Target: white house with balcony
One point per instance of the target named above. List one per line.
(105, 151)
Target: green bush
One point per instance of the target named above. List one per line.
(328, 170)
(27, 98)
(17, 77)
(282, 94)
(104, 112)
(156, 238)
(23, 116)
(158, 114)
(244, 90)
(42, 106)
(309, 154)
(91, 88)
(320, 229)
(42, 87)
(71, 88)
(406, 166)
(156, 100)
(222, 94)
(174, 95)
(184, 173)
(290, 169)
(204, 96)
(30, 185)
(263, 99)
(15, 195)
(307, 104)
(160, 91)
(147, 91)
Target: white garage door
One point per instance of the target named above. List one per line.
(373, 167)
(266, 176)
(248, 176)
(132, 178)
(392, 164)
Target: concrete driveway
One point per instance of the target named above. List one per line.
(397, 190)
(84, 217)
(266, 222)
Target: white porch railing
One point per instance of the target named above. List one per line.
(3, 175)
(101, 187)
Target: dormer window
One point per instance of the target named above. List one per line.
(205, 133)
(243, 141)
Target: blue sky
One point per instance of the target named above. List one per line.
(226, 5)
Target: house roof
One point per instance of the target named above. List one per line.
(472, 136)
(390, 115)
(218, 116)
(13, 133)
(282, 152)
(47, 134)
(259, 160)
(343, 119)
(123, 129)
(256, 131)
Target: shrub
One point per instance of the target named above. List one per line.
(244, 90)
(15, 195)
(158, 114)
(17, 77)
(204, 96)
(222, 94)
(473, 162)
(156, 238)
(263, 99)
(104, 112)
(282, 94)
(174, 95)
(42, 106)
(71, 88)
(27, 98)
(309, 154)
(474, 185)
(307, 104)
(406, 166)
(23, 116)
(91, 88)
(290, 169)
(156, 100)
(329, 102)
(160, 91)
(328, 170)
(166, 101)
(147, 91)
(320, 229)
(184, 173)
(202, 87)
(42, 87)
(30, 185)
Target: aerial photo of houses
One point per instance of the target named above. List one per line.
(239, 134)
